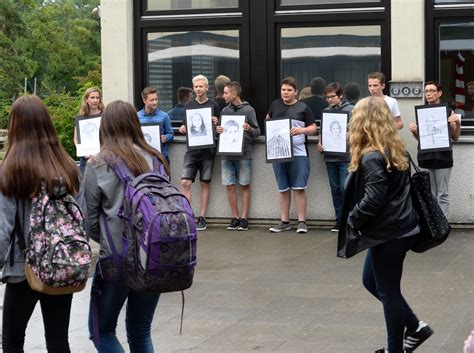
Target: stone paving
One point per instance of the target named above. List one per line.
(260, 292)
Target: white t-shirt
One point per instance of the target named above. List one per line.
(392, 105)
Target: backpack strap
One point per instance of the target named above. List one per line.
(126, 176)
(17, 232)
(158, 167)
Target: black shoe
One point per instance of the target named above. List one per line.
(234, 224)
(201, 223)
(414, 339)
(244, 224)
(381, 350)
(335, 228)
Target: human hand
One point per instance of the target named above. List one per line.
(182, 129)
(219, 129)
(163, 138)
(320, 147)
(413, 128)
(215, 120)
(296, 131)
(246, 126)
(453, 118)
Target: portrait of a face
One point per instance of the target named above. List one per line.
(335, 128)
(198, 127)
(231, 129)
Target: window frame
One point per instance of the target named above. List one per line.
(329, 6)
(145, 12)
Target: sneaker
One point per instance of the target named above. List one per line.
(383, 350)
(414, 339)
(234, 224)
(335, 228)
(302, 227)
(282, 226)
(201, 223)
(244, 224)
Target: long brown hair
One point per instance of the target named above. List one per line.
(372, 128)
(120, 133)
(34, 155)
(84, 110)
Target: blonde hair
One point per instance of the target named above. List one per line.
(305, 93)
(84, 110)
(201, 78)
(372, 128)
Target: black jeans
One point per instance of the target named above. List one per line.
(382, 276)
(19, 302)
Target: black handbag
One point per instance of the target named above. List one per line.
(433, 223)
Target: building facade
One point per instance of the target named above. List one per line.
(164, 43)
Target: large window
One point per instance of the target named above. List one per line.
(166, 5)
(342, 54)
(456, 53)
(175, 57)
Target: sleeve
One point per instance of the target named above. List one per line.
(167, 128)
(308, 116)
(8, 208)
(252, 121)
(396, 109)
(215, 109)
(375, 189)
(92, 197)
(270, 111)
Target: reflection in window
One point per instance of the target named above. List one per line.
(163, 5)
(457, 68)
(321, 2)
(174, 58)
(342, 54)
(454, 2)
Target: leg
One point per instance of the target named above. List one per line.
(245, 189)
(19, 302)
(387, 268)
(333, 176)
(110, 300)
(343, 174)
(232, 197)
(301, 202)
(56, 310)
(205, 194)
(442, 188)
(140, 312)
(284, 199)
(189, 173)
(186, 188)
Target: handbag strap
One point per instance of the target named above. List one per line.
(417, 169)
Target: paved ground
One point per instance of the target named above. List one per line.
(260, 292)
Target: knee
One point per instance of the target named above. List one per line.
(186, 184)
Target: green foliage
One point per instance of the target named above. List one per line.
(63, 108)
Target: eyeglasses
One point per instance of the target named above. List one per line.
(431, 90)
(331, 97)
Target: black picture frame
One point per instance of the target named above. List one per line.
(240, 121)
(201, 139)
(282, 149)
(325, 122)
(434, 131)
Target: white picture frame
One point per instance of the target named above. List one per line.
(88, 135)
(199, 131)
(334, 132)
(433, 128)
(231, 140)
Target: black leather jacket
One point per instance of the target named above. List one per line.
(377, 206)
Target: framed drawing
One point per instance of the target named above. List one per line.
(231, 141)
(199, 128)
(279, 144)
(88, 136)
(334, 132)
(152, 135)
(433, 127)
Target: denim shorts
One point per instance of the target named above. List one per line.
(234, 172)
(200, 160)
(292, 175)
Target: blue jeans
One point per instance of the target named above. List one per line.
(382, 276)
(337, 174)
(139, 316)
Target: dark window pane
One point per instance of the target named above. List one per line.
(457, 68)
(341, 54)
(174, 58)
(453, 2)
(321, 2)
(163, 5)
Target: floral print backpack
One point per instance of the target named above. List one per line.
(57, 254)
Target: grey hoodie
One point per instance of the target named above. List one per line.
(250, 117)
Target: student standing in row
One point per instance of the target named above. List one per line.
(336, 164)
(293, 175)
(376, 85)
(202, 159)
(184, 95)
(438, 163)
(32, 139)
(92, 107)
(238, 169)
(152, 114)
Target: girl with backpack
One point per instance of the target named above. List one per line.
(91, 107)
(121, 140)
(34, 159)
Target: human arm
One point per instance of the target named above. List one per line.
(455, 126)
(8, 209)
(413, 129)
(75, 136)
(398, 122)
(92, 197)
(251, 126)
(375, 188)
(319, 146)
(308, 130)
(168, 134)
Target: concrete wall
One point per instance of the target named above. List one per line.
(408, 62)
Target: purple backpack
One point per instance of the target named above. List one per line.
(159, 241)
